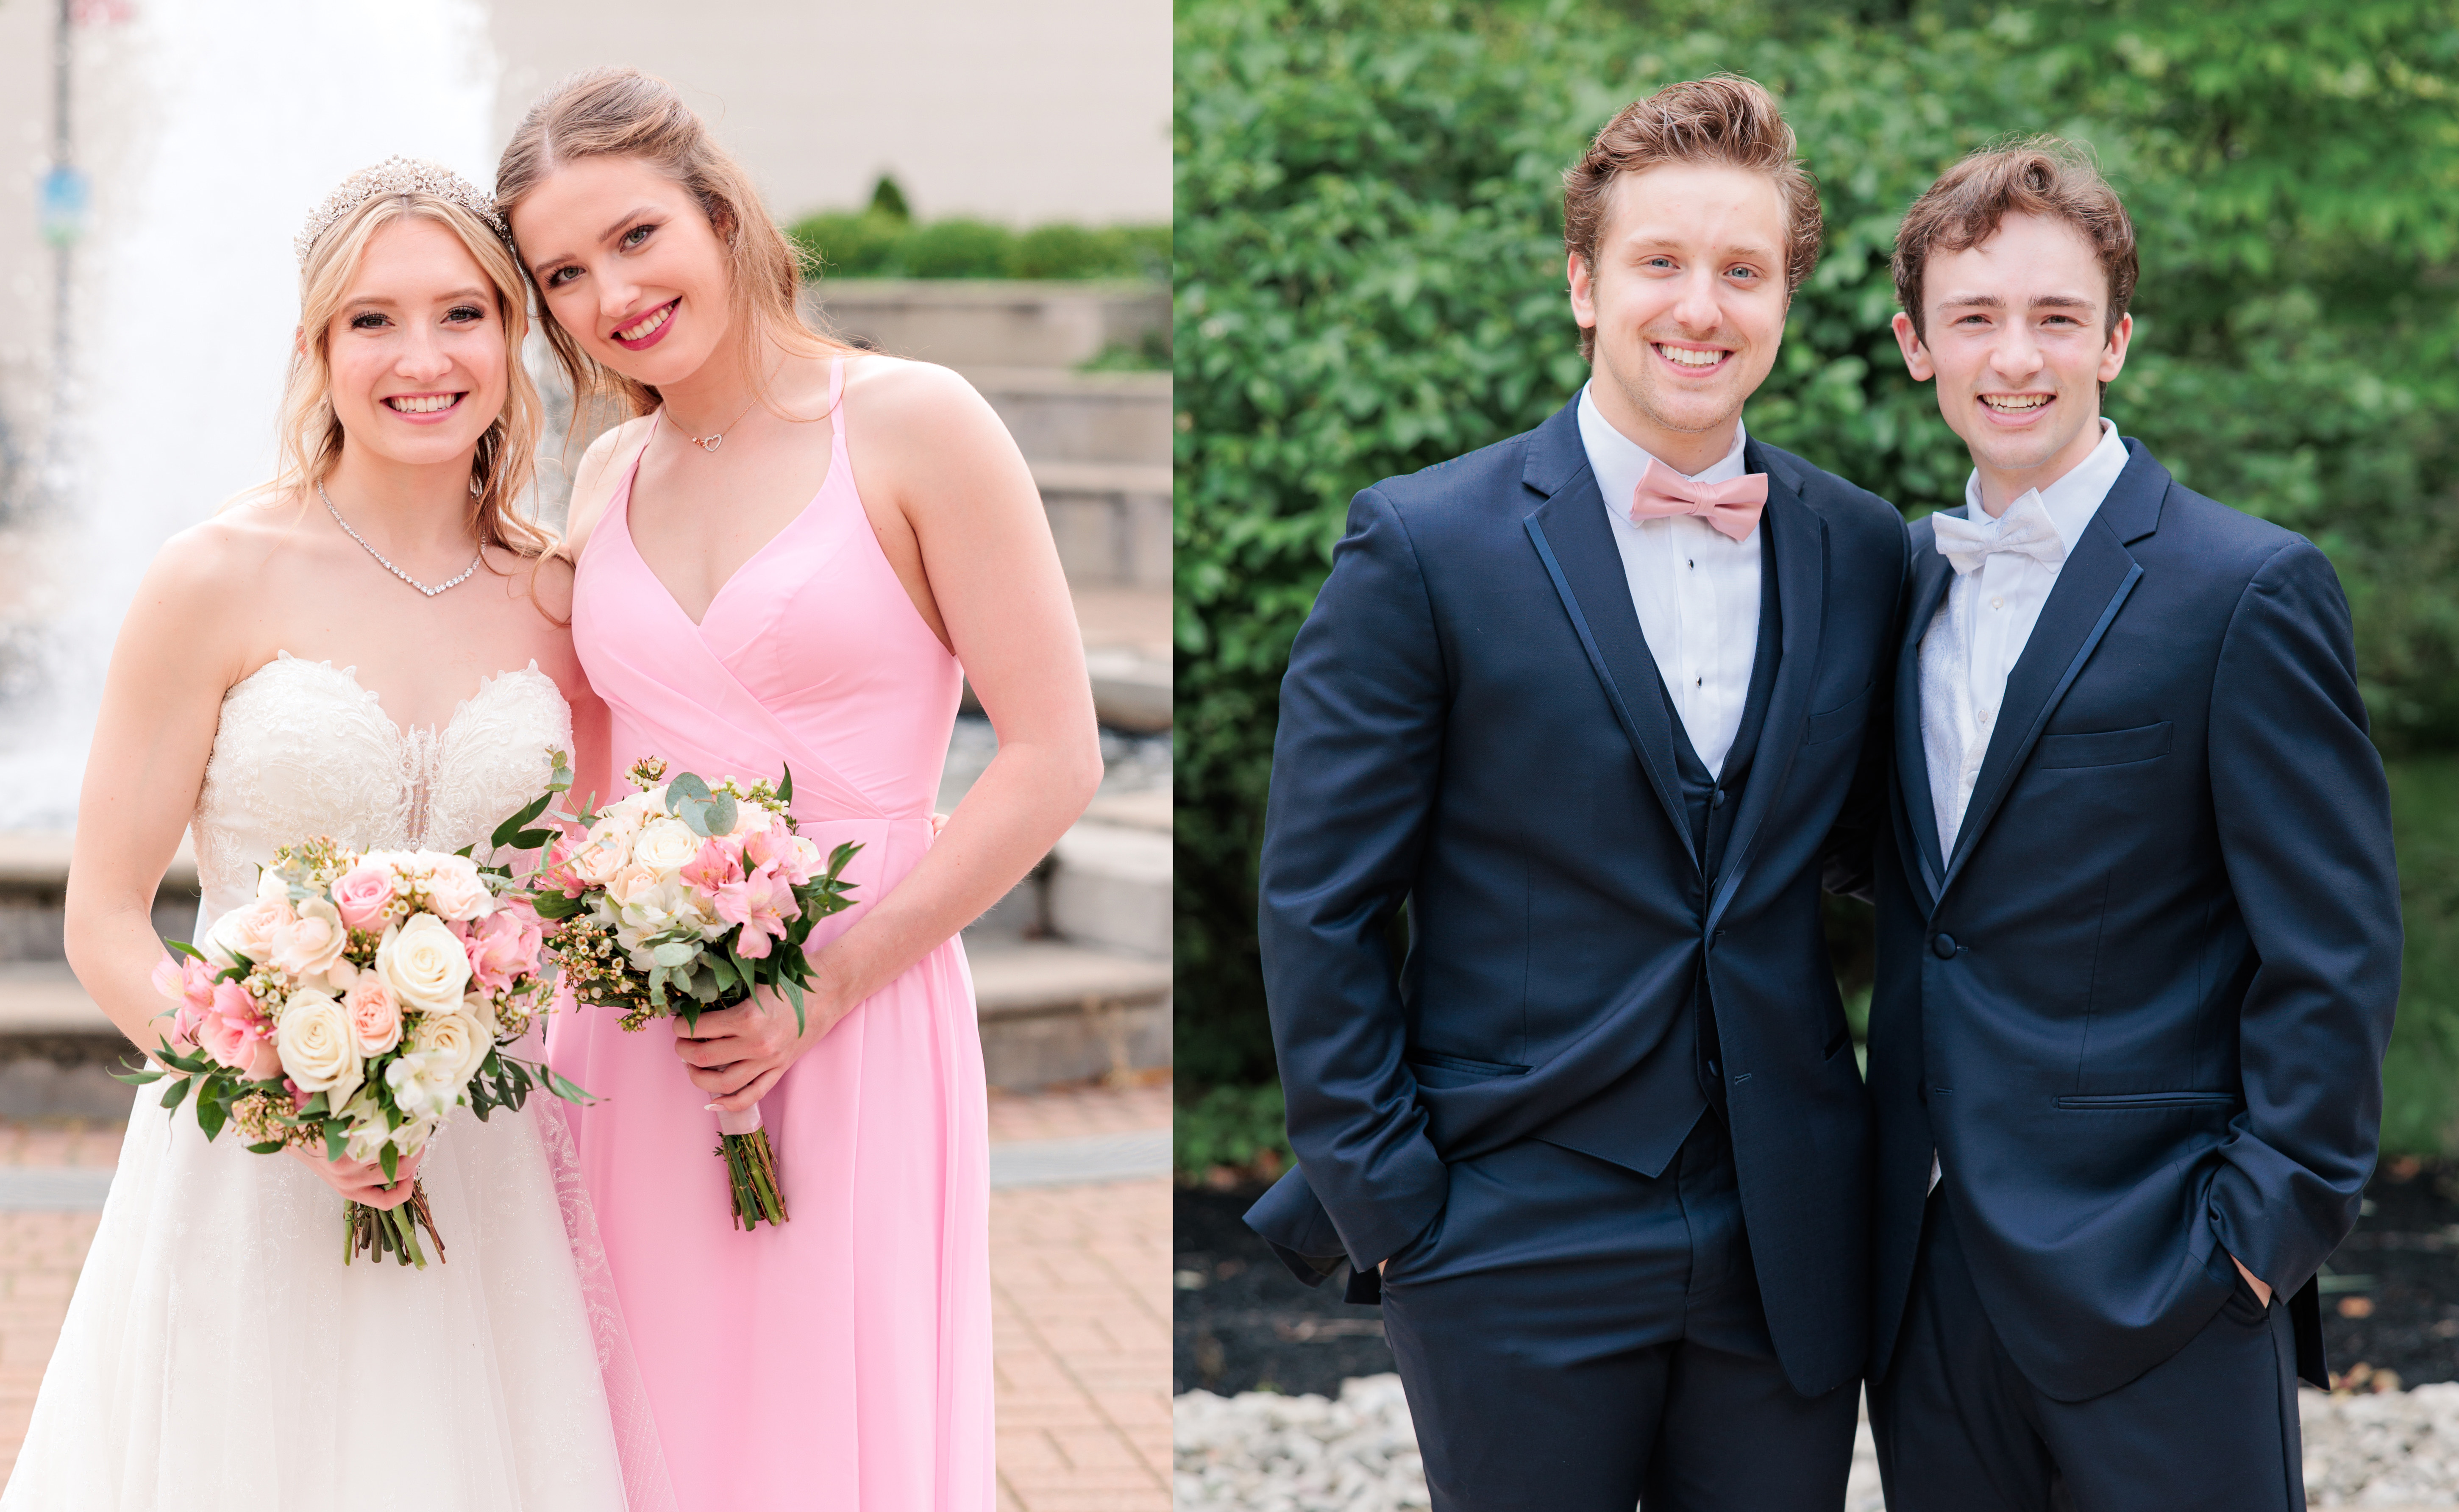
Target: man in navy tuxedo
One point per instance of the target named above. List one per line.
(2138, 923)
(1591, 704)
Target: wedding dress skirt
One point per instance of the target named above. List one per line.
(218, 1355)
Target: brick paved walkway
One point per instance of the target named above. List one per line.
(1080, 1281)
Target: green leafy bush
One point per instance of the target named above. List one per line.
(880, 243)
(1369, 280)
(1242, 1127)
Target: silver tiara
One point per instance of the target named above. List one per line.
(397, 176)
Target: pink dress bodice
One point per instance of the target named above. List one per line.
(840, 1360)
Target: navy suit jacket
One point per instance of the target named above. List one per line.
(2140, 1010)
(1472, 723)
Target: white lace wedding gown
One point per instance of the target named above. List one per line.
(218, 1355)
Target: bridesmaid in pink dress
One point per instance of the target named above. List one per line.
(792, 557)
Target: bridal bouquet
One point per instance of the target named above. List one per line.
(353, 1004)
(690, 895)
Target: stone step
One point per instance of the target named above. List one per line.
(1054, 1012)
(1109, 885)
(987, 323)
(1111, 521)
(1060, 417)
(1131, 691)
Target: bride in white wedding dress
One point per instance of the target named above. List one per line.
(370, 648)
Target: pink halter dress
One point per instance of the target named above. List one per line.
(842, 1360)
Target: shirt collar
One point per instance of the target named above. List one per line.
(1619, 462)
(2072, 500)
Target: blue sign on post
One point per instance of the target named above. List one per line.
(65, 198)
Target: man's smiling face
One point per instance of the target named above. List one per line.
(2016, 332)
(1687, 301)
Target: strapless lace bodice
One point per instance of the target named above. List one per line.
(303, 750)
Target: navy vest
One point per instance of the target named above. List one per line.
(1640, 1121)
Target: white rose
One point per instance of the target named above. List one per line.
(423, 964)
(453, 1045)
(666, 845)
(456, 890)
(318, 1049)
(605, 852)
(309, 946)
(630, 883)
(248, 931)
(481, 1010)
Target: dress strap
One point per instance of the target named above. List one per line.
(836, 394)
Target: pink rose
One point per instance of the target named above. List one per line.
(361, 897)
(263, 1060)
(374, 1016)
(720, 861)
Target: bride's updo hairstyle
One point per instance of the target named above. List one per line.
(311, 432)
(624, 112)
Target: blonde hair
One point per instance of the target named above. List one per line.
(311, 432)
(624, 112)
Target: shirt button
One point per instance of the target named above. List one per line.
(1998, 603)
(1986, 715)
(1699, 682)
(1690, 563)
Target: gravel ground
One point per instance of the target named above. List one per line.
(1262, 1452)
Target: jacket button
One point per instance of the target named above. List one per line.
(1942, 946)
(1717, 799)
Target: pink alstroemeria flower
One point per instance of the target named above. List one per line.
(761, 903)
(720, 862)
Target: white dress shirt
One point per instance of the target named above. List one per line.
(1982, 628)
(1696, 590)
(1983, 625)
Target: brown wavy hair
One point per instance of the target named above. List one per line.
(311, 433)
(1725, 119)
(2041, 176)
(624, 112)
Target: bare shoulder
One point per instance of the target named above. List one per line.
(593, 482)
(895, 393)
(197, 596)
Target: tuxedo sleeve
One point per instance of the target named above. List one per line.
(1355, 764)
(2304, 814)
(1848, 864)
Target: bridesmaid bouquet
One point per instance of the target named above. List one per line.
(353, 1004)
(690, 895)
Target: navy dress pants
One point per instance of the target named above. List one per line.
(1577, 1338)
(2212, 1428)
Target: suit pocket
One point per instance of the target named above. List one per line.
(1841, 721)
(2103, 747)
(2132, 1102)
(1435, 1070)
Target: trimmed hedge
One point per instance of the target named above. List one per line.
(1369, 280)
(879, 244)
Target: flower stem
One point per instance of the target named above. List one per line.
(752, 1175)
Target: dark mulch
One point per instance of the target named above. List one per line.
(1244, 1323)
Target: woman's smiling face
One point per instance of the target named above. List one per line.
(629, 266)
(417, 348)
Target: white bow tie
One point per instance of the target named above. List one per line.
(2025, 528)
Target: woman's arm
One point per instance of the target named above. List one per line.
(923, 441)
(161, 702)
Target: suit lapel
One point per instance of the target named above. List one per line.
(1799, 538)
(2091, 587)
(1930, 577)
(1575, 541)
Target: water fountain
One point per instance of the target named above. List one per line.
(244, 114)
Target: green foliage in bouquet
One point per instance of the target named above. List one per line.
(1369, 280)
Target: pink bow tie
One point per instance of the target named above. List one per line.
(1731, 507)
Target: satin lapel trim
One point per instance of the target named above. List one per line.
(1595, 594)
(2091, 589)
(1931, 575)
(1801, 546)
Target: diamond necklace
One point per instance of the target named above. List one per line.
(387, 564)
